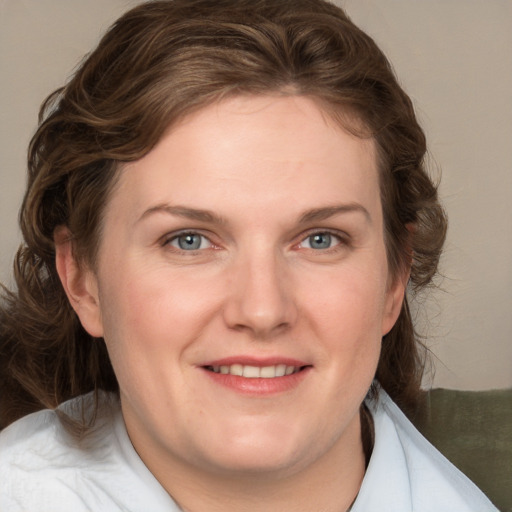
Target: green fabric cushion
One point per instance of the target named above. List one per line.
(473, 429)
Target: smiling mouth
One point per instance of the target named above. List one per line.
(256, 372)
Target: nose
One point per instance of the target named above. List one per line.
(260, 299)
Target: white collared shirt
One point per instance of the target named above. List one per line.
(44, 469)
(406, 473)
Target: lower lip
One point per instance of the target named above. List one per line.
(259, 386)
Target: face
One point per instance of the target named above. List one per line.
(242, 288)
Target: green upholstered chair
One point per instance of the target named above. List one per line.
(473, 429)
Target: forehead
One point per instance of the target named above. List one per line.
(251, 150)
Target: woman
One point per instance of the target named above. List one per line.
(225, 206)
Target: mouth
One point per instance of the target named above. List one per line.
(256, 377)
(256, 372)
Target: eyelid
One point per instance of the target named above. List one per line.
(166, 240)
(342, 236)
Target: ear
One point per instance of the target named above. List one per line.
(396, 289)
(79, 283)
(393, 302)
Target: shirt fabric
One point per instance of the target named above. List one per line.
(45, 469)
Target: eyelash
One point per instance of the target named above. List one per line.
(167, 241)
(342, 238)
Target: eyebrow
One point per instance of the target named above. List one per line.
(185, 212)
(313, 215)
(317, 214)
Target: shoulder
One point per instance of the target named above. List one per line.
(407, 473)
(43, 438)
(46, 468)
(31, 440)
(40, 461)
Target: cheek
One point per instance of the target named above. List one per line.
(352, 299)
(156, 308)
(347, 316)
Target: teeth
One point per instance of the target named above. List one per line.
(281, 370)
(255, 372)
(267, 372)
(251, 372)
(236, 369)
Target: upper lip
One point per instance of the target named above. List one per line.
(256, 361)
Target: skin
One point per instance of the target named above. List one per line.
(272, 171)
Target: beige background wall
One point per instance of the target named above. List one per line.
(454, 57)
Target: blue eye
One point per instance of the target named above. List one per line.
(320, 241)
(190, 242)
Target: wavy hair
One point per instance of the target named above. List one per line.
(159, 62)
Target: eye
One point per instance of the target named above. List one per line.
(189, 242)
(320, 241)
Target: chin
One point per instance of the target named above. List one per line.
(255, 462)
(267, 450)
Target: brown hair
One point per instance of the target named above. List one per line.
(156, 64)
